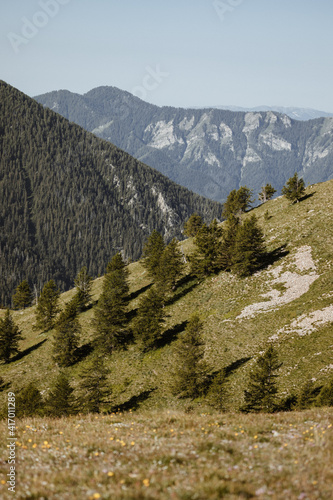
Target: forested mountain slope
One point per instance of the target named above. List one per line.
(70, 199)
(210, 151)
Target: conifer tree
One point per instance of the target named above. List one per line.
(227, 247)
(60, 401)
(190, 373)
(217, 391)
(206, 258)
(83, 283)
(10, 335)
(294, 189)
(93, 386)
(29, 401)
(152, 252)
(47, 307)
(66, 336)
(262, 389)
(22, 297)
(171, 265)
(110, 313)
(192, 225)
(249, 248)
(266, 193)
(117, 263)
(237, 202)
(325, 397)
(306, 396)
(147, 326)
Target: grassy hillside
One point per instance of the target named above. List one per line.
(171, 455)
(289, 304)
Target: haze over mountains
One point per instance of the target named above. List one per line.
(210, 151)
(69, 199)
(293, 112)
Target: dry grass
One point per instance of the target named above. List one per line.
(174, 455)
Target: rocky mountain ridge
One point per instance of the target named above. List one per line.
(210, 151)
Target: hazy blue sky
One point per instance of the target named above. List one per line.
(173, 52)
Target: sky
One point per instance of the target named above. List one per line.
(180, 53)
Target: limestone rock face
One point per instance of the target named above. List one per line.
(210, 151)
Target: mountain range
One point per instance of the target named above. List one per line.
(69, 199)
(210, 151)
(293, 112)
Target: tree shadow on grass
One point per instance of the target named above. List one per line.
(131, 314)
(273, 256)
(184, 286)
(134, 402)
(228, 370)
(136, 294)
(305, 197)
(235, 365)
(83, 351)
(27, 351)
(171, 334)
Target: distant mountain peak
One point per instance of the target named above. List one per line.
(293, 112)
(210, 151)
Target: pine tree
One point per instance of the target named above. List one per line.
(237, 202)
(325, 397)
(83, 283)
(206, 258)
(266, 193)
(60, 402)
(152, 252)
(262, 389)
(66, 336)
(93, 386)
(117, 263)
(171, 266)
(306, 396)
(190, 373)
(110, 313)
(217, 391)
(147, 326)
(10, 335)
(22, 297)
(29, 402)
(249, 248)
(294, 189)
(192, 225)
(227, 247)
(47, 307)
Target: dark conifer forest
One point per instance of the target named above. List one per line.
(69, 199)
